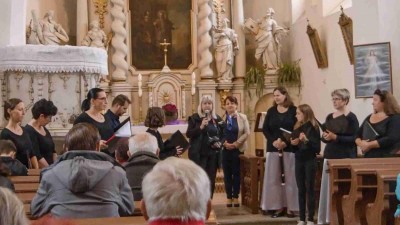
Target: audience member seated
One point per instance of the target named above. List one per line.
(121, 150)
(177, 191)
(143, 155)
(11, 209)
(83, 182)
(7, 156)
(4, 173)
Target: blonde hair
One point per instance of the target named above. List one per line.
(11, 209)
(308, 116)
(206, 98)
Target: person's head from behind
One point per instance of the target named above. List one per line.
(155, 117)
(145, 142)
(43, 111)
(7, 148)
(96, 98)
(384, 101)
(120, 105)
(121, 149)
(176, 189)
(82, 136)
(340, 98)
(11, 209)
(14, 109)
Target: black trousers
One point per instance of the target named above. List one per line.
(231, 167)
(305, 178)
(209, 163)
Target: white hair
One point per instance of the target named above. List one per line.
(206, 98)
(11, 209)
(176, 189)
(143, 142)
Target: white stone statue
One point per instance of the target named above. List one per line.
(46, 31)
(226, 46)
(268, 35)
(95, 37)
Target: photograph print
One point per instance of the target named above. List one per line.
(152, 22)
(372, 69)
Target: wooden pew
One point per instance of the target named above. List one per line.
(26, 198)
(397, 221)
(34, 172)
(26, 187)
(24, 179)
(340, 178)
(362, 191)
(250, 181)
(381, 211)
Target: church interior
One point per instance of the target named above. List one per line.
(178, 55)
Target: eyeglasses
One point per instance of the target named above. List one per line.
(336, 99)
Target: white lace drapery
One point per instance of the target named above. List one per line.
(53, 59)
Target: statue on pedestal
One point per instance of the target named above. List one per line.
(46, 31)
(268, 35)
(226, 46)
(95, 37)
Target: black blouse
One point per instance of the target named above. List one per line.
(306, 151)
(344, 146)
(44, 145)
(22, 143)
(389, 136)
(105, 128)
(275, 120)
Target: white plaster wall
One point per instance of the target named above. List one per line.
(5, 12)
(373, 21)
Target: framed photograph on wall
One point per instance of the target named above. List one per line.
(372, 69)
(260, 121)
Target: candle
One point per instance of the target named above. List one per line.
(193, 83)
(140, 85)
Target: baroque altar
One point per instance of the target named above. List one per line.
(62, 74)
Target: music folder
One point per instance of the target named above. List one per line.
(369, 133)
(177, 139)
(286, 134)
(123, 130)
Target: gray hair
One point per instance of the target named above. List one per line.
(11, 209)
(143, 142)
(342, 93)
(176, 189)
(206, 98)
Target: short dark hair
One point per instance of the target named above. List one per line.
(231, 99)
(47, 108)
(120, 100)
(7, 146)
(155, 117)
(92, 94)
(10, 104)
(82, 136)
(121, 149)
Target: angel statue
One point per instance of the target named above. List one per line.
(268, 35)
(95, 37)
(46, 31)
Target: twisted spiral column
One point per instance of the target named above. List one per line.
(205, 41)
(118, 41)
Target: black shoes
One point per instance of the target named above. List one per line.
(278, 214)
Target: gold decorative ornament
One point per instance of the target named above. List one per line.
(318, 49)
(101, 9)
(346, 26)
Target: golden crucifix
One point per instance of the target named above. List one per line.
(165, 45)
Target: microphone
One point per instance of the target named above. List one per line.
(207, 112)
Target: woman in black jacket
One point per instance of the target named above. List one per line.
(205, 130)
(306, 146)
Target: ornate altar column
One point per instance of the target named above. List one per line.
(237, 25)
(82, 20)
(205, 41)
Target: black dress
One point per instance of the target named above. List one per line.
(165, 151)
(23, 144)
(389, 136)
(44, 145)
(274, 120)
(344, 146)
(105, 128)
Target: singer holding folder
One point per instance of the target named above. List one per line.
(379, 134)
(205, 131)
(93, 107)
(155, 119)
(276, 196)
(339, 135)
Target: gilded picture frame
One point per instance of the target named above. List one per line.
(372, 69)
(317, 47)
(346, 26)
